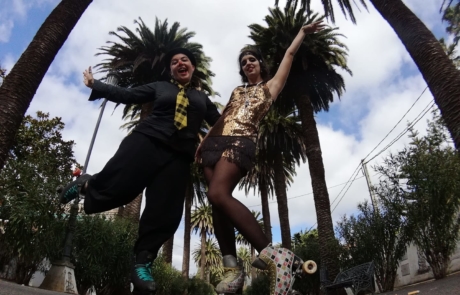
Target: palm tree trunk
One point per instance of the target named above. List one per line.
(187, 230)
(281, 197)
(168, 250)
(132, 210)
(266, 213)
(318, 181)
(203, 254)
(253, 269)
(437, 69)
(22, 82)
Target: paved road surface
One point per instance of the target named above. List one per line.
(447, 286)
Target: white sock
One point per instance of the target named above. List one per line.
(230, 261)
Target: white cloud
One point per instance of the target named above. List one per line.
(378, 93)
(5, 30)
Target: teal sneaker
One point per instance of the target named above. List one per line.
(73, 189)
(141, 275)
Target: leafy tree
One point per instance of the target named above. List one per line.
(2, 74)
(437, 69)
(375, 236)
(38, 162)
(426, 177)
(451, 15)
(306, 245)
(19, 87)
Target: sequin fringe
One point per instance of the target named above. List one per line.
(235, 149)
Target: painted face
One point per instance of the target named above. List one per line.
(250, 65)
(181, 68)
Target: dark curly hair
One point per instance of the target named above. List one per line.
(254, 51)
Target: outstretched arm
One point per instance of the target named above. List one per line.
(276, 84)
(141, 94)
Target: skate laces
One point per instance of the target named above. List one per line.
(71, 193)
(143, 272)
(231, 274)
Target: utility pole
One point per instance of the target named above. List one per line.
(369, 186)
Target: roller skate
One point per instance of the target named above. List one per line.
(283, 267)
(233, 280)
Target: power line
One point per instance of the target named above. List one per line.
(412, 124)
(333, 201)
(310, 193)
(344, 193)
(397, 122)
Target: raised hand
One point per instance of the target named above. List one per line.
(313, 27)
(88, 78)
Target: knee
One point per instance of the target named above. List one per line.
(215, 196)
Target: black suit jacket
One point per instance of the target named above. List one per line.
(160, 122)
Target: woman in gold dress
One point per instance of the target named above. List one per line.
(228, 152)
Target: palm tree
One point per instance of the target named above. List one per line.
(244, 255)
(209, 259)
(310, 86)
(240, 239)
(19, 87)
(201, 221)
(137, 59)
(281, 142)
(437, 69)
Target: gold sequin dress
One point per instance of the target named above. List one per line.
(234, 136)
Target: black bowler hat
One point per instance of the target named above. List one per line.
(171, 53)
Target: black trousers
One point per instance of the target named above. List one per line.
(143, 162)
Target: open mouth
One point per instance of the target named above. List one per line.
(182, 70)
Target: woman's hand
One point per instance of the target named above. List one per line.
(313, 27)
(88, 78)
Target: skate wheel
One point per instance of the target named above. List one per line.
(59, 189)
(309, 267)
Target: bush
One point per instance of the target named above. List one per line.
(171, 282)
(102, 255)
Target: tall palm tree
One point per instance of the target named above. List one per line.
(208, 258)
(282, 144)
(311, 85)
(201, 221)
(19, 87)
(138, 59)
(240, 239)
(437, 69)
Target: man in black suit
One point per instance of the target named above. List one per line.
(155, 156)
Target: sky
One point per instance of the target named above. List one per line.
(384, 85)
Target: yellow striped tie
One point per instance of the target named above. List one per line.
(180, 118)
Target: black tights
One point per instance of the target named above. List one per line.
(229, 213)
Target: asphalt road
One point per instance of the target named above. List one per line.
(447, 286)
